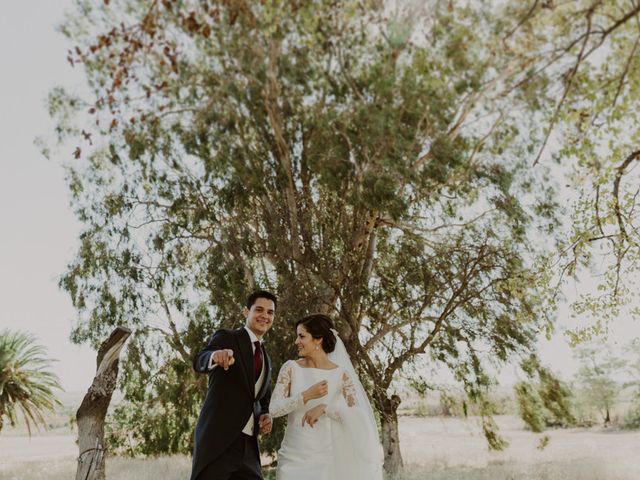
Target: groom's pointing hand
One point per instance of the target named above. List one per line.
(224, 358)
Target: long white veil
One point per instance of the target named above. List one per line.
(359, 433)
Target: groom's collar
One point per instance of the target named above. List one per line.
(252, 336)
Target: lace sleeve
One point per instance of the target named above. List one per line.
(281, 401)
(348, 391)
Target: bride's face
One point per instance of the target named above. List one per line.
(305, 342)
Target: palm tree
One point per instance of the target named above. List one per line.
(26, 385)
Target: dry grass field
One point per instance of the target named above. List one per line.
(433, 448)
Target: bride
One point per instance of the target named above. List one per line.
(331, 432)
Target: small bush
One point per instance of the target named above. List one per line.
(631, 420)
(421, 409)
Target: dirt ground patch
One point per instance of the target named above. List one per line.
(53, 445)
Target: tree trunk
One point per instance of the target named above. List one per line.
(607, 418)
(390, 437)
(92, 411)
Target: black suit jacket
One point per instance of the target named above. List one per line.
(230, 397)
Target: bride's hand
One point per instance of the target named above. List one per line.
(312, 416)
(317, 390)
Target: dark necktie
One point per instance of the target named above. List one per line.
(257, 360)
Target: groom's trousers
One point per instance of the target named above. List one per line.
(241, 461)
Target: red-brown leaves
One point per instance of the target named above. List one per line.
(190, 23)
(148, 24)
(215, 13)
(119, 49)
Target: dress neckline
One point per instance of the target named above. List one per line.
(315, 368)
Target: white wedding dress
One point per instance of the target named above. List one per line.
(342, 445)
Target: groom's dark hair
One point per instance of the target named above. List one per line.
(319, 326)
(251, 299)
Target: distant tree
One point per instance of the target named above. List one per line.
(632, 350)
(596, 378)
(26, 384)
(632, 416)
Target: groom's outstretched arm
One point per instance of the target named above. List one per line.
(217, 352)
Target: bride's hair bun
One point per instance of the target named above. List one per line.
(320, 326)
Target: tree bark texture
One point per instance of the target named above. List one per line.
(390, 436)
(91, 414)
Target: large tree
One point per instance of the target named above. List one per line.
(369, 164)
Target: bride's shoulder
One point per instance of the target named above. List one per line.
(286, 368)
(289, 364)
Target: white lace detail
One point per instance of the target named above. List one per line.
(281, 401)
(348, 390)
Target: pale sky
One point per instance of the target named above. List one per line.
(38, 230)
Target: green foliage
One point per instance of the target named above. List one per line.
(545, 401)
(26, 385)
(530, 405)
(133, 430)
(599, 137)
(631, 419)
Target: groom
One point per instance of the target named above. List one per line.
(237, 403)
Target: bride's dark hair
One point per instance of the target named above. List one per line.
(319, 326)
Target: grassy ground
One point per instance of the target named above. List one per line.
(178, 468)
(433, 448)
(554, 471)
(163, 468)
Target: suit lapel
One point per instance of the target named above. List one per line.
(267, 372)
(246, 353)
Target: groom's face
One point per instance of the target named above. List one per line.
(259, 317)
